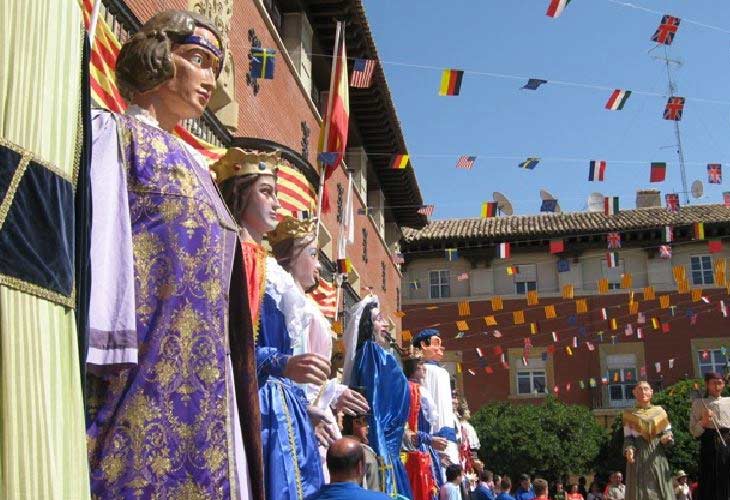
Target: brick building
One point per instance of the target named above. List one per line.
(284, 114)
(687, 328)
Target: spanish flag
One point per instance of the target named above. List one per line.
(451, 82)
(400, 162)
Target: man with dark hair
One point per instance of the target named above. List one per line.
(356, 427)
(505, 485)
(451, 489)
(524, 491)
(346, 465)
(541, 489)
(484, 490)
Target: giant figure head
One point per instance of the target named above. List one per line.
(294, 245)
(429, 342)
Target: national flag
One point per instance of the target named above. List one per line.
(613, 324)
(655, 323)
(497, 303)
(301, 214)
(612, 259)
(533, 83)
(726, 198)
(658, 172)
(658, 366)
(327, 158)
(505, 250)
(556, 8)
(362, 73)
(604, 313)
(664, 301)
(550, 312)
(490, 320)
(451, 82)
(262, 63)
(665, 252)
(668, 27)
(452, 254)
(555, 337)
(466, 162)
(714, 246)
(398, 258)
(512, 270)
(479, 352)
(563, 265)
(335, 126)
(581, 307)
(462, 277)
(629, 330)
(489, 209)
(575, 342)
(597, 170)
(426, 210)
(671, 363)
(462, 326)
(668, 234)
(592, 382)
(714, 173)
(568, 291)
(672, 200)
(532, 298)
(610, 205)
(698, 231)
(530, 163)
(325, 295)
(618, 99)
(400, 162)
(557, 246)
(344, 266)
(414, 285)
(471, 372)
(568, 351)
(613, 240)
(464, 308)
(548, 205)
(534, 328)
(674, 109)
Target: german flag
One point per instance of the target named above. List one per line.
(451, 82)
(489, 209)
(400, 162)
(344, 266)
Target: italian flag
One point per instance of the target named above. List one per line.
(504, 251)
(556, 7)
(618, 99)
(612, 259)
(610, 205)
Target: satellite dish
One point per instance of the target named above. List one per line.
(547, 195)
(595, 202)
(697, 189)
(503, 204)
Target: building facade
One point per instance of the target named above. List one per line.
(284, 114)
(567, 322)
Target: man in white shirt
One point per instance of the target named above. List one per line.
(451, 490)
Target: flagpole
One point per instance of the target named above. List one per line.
(93, 22)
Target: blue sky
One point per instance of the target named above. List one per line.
(596, 42)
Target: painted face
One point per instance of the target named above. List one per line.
(187, 94)
(260, 212)
(434, 351)
(715, 387)
(380, 327)
(305, 266)
(419, 373)
(643, 393)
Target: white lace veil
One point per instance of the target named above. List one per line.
(351, 333)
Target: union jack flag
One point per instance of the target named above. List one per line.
(426, 210)
(614, 240)
(674, 109)
(672, 202)
(714, 173)
(362, 73)
(667, 29)
(466, 162)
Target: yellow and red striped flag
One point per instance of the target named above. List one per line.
(451, 82)
(325, 295)
(464, 309)
(400, 162)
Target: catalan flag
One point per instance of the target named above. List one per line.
(698, 231)
(462, 325)
(400, 162)
(497, 303)
(597, 170)
(464, 309)
(325, 295)
(489, 209)
(451, 82)
(518, 317)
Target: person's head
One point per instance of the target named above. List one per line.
(414, 370)
(248, 185)
(505, 484)
(595, 488)
(429, 342)
(525, 481)
(682, 477)
(714, 384)
(643, 393)
(541, 487)
(173, 62)
(486, 476)
(559, 487)
(294, 245)
(582, 481)
(455, 406)
(454, 473)
(478, 466)
(356, 426)
(345, 461)
(573, 488)
(616, 478)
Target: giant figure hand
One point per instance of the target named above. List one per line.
(307, 369)
(352, 403)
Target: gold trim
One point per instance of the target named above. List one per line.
(35, 158)
(78, 146)
(13, 187)
(43, 293)
(292, 445)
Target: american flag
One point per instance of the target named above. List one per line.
(714, 173)
(426, 210)
(614, 240)
(362, 73)
(466, 162)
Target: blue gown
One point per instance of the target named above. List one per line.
(292, 466)
(386, 389)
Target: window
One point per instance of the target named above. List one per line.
(613, 274)
(701, 269)
(533, 381)
(621, 379)
(440, 287)
(525, 278)
(711, 360)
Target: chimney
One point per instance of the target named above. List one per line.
(648, 198)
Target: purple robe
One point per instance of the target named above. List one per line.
(162, 423)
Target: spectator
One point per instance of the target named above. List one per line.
(559, 491)
(582, 486)
(524, 490)
(451, 489)
(497, 484)
(485, 487)
(346, 465)
(682, 490)
(541, 489)
(505, 485)
(595, 493)
(616, 489)
(356, 426)
(573, 493)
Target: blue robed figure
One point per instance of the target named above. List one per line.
(371, 367)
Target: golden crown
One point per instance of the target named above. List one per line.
(239, 161)
(291, 228)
